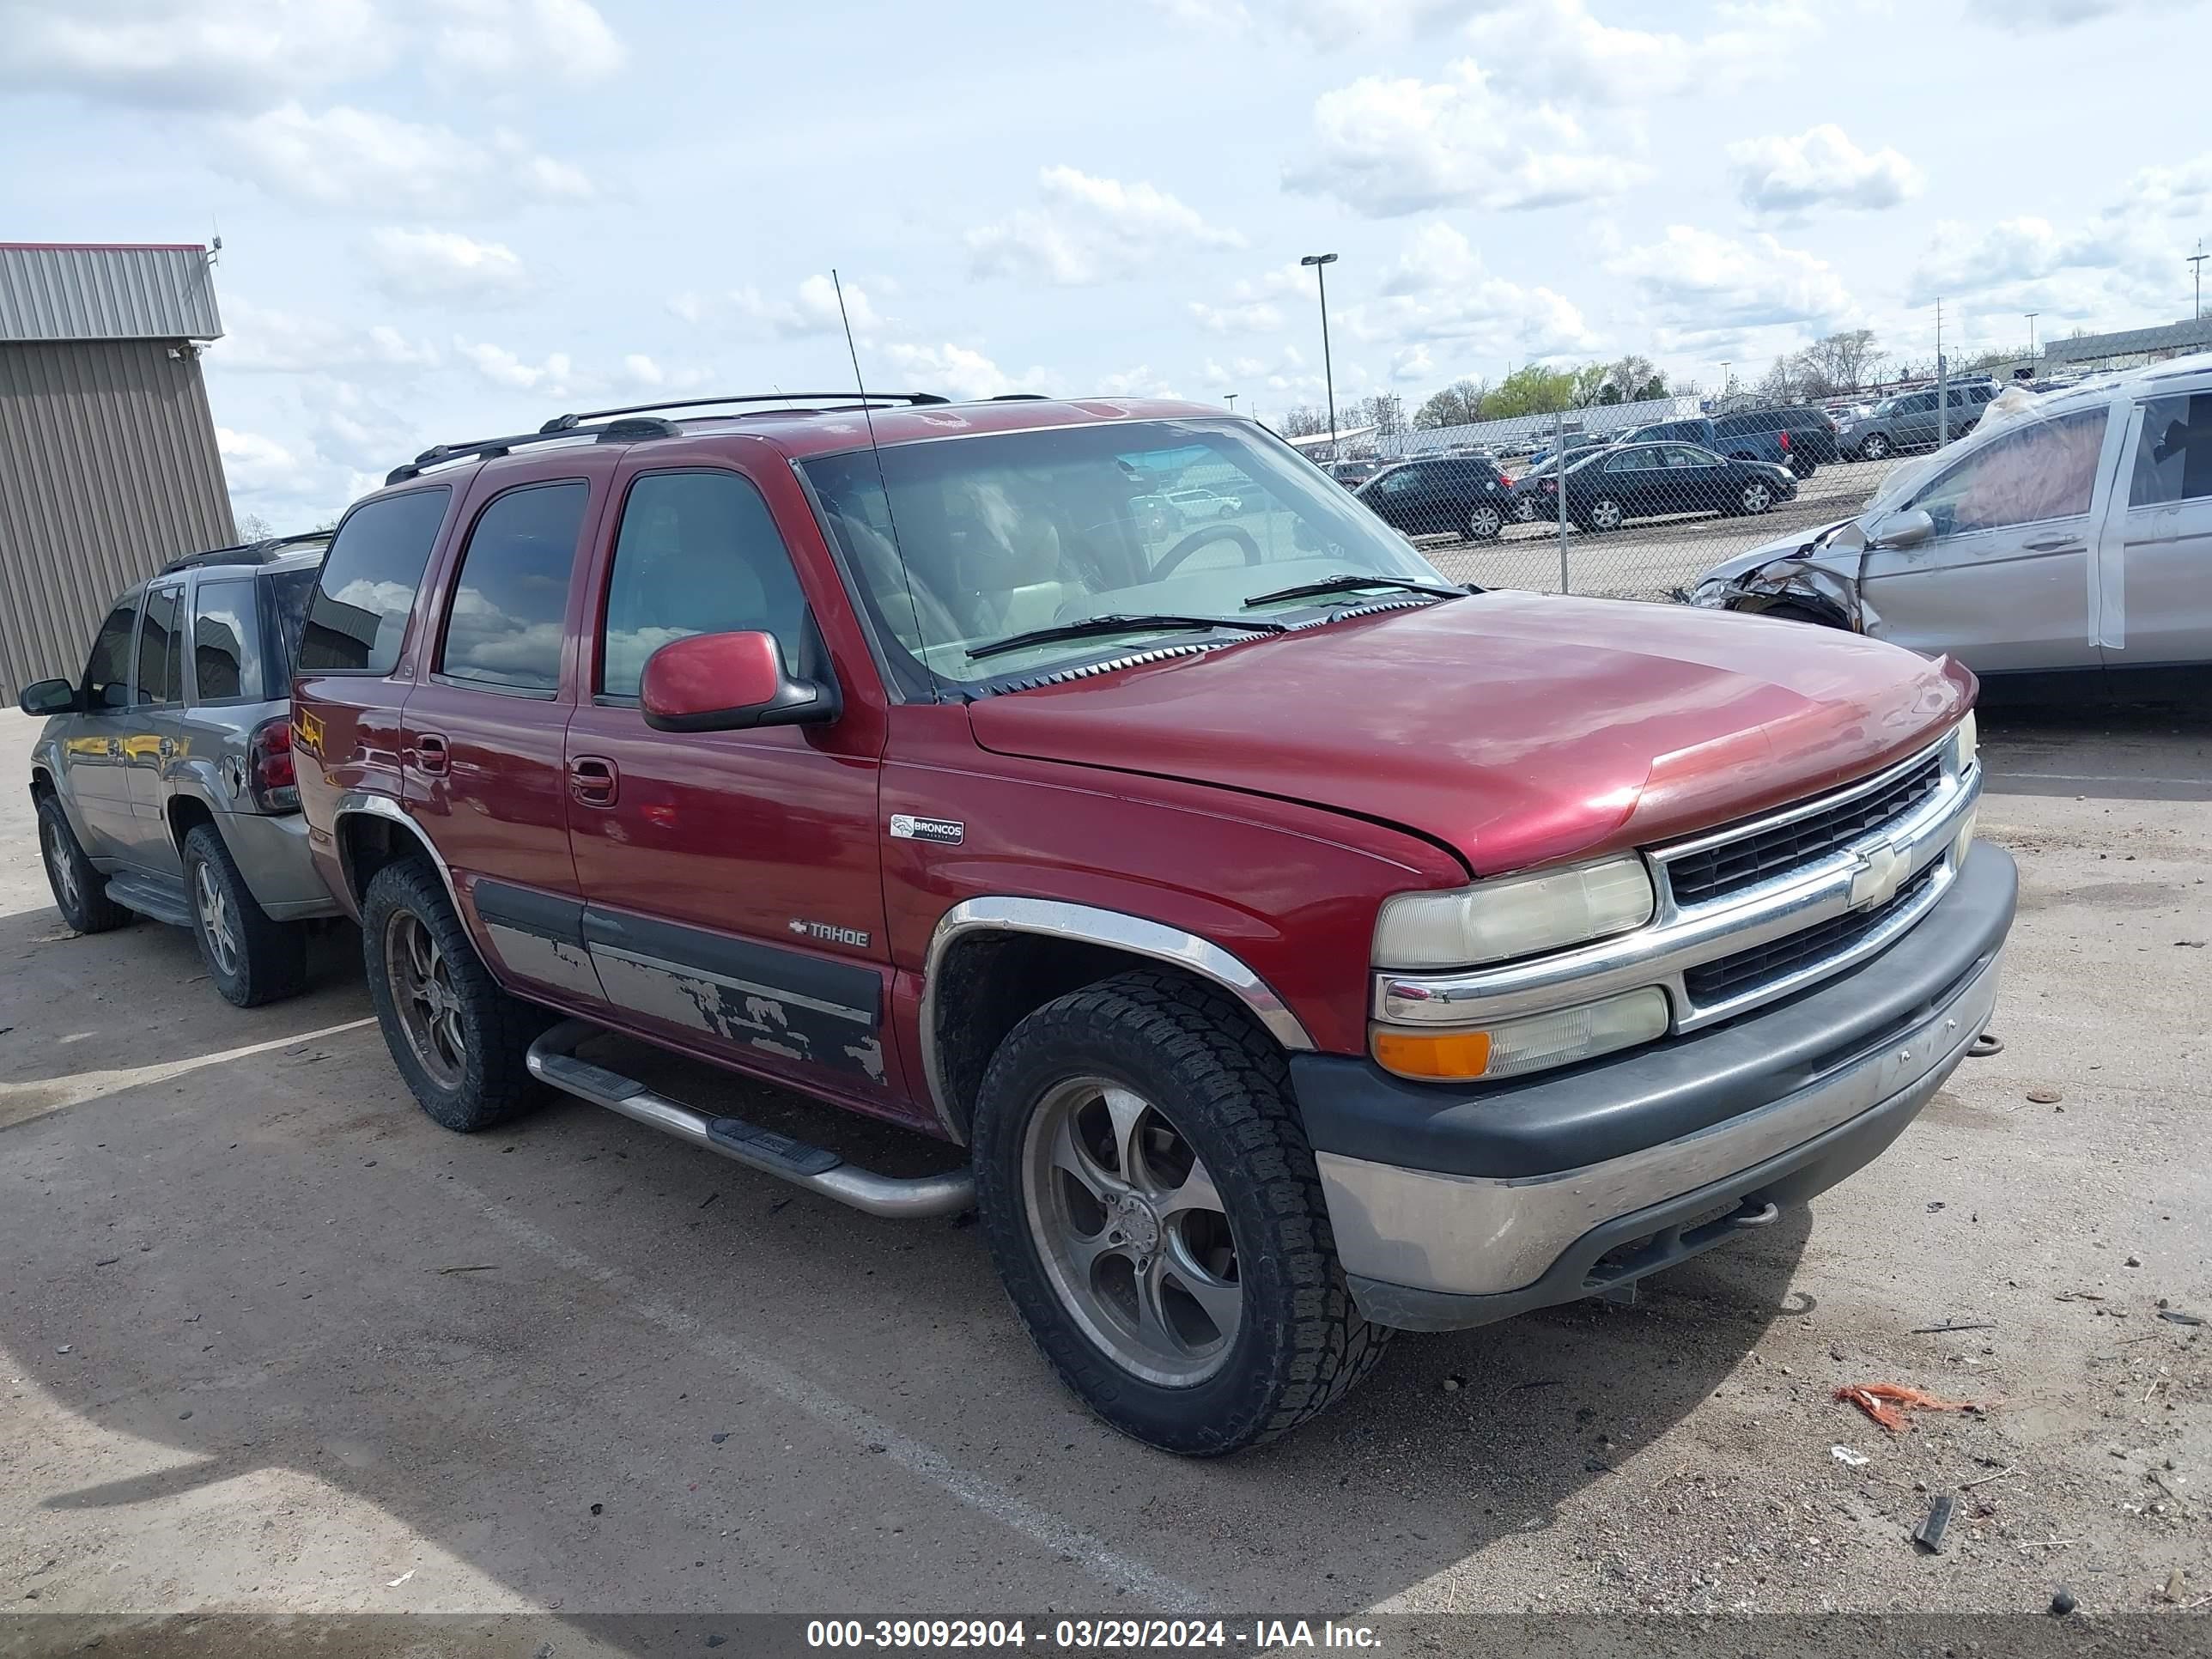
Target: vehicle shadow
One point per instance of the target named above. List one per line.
(2101, 751)
(480, 1336)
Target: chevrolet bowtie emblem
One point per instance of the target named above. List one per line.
(1881, 872)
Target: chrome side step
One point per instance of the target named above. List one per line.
(552, 1060)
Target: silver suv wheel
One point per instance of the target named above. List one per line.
(1132, 1232)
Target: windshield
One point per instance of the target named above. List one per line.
(983, 538)
(1886, 407)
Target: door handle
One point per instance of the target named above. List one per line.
(430, 754)
(2052, 545)
(593, 780)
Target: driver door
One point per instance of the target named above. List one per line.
(92, 752)
(2004, 584)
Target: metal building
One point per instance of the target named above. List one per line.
(108, 463)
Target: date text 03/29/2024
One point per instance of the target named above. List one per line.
(1089, 1635)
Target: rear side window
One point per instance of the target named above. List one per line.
(160, 664)
(289, 591)
(2173, 458)
(504, 626)
(227, 647)
(697, 553)
(107, 670)
(359, 613)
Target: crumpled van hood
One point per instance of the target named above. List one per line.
(1516, 729)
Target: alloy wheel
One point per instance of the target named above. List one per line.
(1605, 514)
(422, 994)
(59, 861)
(1756, 498)
(217, 925)
(1484, 522)
(1875, 448)
(1132, 1231)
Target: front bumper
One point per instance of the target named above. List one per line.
(1451, 1211)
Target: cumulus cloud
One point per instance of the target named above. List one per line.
(553, 375)
(248, 54)
(1439, 291)
(266, 339)
(342, 156)
(2024, 15)
(959, 371)
(1699, 283)
(1088, 230)
(443, 265)
(1560, 51)
(1327, 23)
(812, 308)
(1386, 146)
(1250, 317)
(1820, 167)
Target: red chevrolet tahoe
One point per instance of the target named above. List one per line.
(1301, 946)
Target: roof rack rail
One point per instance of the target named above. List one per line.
(482, 447)
(569, 423)
(1022, 398)
(260, 552)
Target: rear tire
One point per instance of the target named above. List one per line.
(1197, 1305)
(1484, 524)
(250, 959)
(1755, 499)
(1602, 514)
(79, 891)
(1873, 448)
(458, 1039)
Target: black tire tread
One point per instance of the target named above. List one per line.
(102, 915)
(1240, 1073)
(275, 954)
(499, 1085)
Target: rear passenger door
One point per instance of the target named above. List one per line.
(2163, 598)
(92, 753)
(482, 734)
(732, 879)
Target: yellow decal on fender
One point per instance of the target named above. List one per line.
(307, 733)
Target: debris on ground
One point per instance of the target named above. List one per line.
(2062, 1601)
(394, 1583)
(473, 1267)
(1930, 1537)
(2174, 1316)
(1844, 1455)
(2045, 1096)
(1939, 1330)
(1984, 1046)
(2175, 1582)
(1881, 1401)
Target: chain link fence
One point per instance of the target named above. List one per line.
(1635, 500)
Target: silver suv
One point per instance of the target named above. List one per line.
(163, 779)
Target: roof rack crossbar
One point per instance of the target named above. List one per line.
(260, 552)
(569, 423)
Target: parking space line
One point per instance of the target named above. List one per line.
(1048, 1531)
(26, 1098)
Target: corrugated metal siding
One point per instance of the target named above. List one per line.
(2193, 335)
(48, 293)
(108, 470)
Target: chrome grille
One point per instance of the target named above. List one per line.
(1751, 970)
(1730, 865)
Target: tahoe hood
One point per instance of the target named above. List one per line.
(1514, 728)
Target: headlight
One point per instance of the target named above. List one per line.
(1517, 916)
(1966, 743)
(1512, 1047)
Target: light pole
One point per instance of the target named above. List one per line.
(2032, 316)
(1724, 377)
(1229, 397)
(2195, 262)
(1328, 374)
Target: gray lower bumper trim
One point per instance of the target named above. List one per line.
(1475, 1235)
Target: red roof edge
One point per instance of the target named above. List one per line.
(106, 248)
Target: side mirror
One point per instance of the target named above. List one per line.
(48, 697)
(1908, 530)
(729, 682)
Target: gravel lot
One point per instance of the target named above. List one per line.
(273, 1342)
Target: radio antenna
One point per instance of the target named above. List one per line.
(875, 451)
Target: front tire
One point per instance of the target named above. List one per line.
(458, 1039)
(1604, 514)
(250, 959)
(1755, 499)
(1873, 448)
(79, 891)
(1145, 1188)
(1484, 524)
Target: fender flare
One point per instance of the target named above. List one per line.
(1089, 925)
(359, 803)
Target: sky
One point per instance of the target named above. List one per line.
(446, 219)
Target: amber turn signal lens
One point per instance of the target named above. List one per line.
(1433, 1054)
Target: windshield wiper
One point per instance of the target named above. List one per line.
(1116, 623)
(1348, 583)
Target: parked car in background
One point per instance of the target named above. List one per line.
(2067, 543)
(1352, 474)
(1639, 480)
(1529, 494)
(1914, 421)
(1441, 495)
(1196, 505)
(163, 779)
(1300, 946)
(1797, 438)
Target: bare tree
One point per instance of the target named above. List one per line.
(1460, 403)
(1385, 411)
(252, 527)
(1303, 421)
(1837, 362)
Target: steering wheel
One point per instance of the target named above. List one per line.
(1201, 536)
